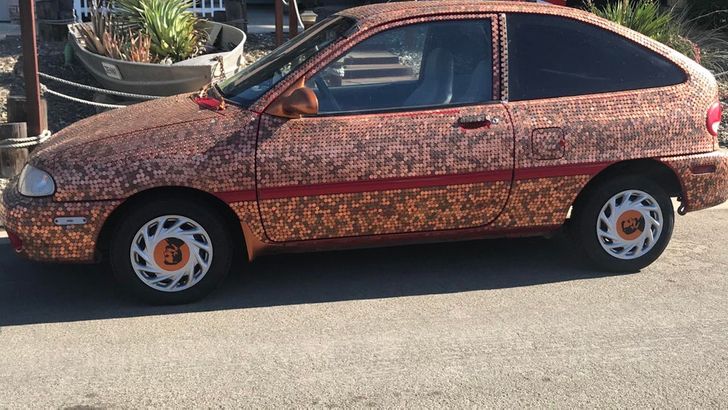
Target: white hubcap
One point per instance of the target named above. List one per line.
(171, 253)
(629, 224)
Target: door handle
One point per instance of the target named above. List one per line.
(471, 122)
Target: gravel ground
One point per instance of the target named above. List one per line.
(51, 60)
(259, 45)
(723, 136)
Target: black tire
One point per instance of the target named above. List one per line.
(194, 209)
(587, 211)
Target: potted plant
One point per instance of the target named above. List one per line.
(155, 47)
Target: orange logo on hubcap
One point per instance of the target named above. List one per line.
(171, 254)
(630, 225)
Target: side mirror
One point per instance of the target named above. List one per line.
(301, 101)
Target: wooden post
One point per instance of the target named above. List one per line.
(244, 3)
(292, 19)
(219, 16)
(30, 66)
(16, 107)
(46, 9)
(12, 160)
(52, 18)
(279, 22)
(236, 13)
(65, 9)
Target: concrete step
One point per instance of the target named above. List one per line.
(371, 57)
(376, 70)
(377, 80)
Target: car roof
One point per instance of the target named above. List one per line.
(379, 13)
(385, 13)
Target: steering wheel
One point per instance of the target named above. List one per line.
(326, 92)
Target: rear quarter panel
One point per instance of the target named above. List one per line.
(601, 129)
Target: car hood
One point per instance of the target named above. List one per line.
(167, 142)
(133, 120)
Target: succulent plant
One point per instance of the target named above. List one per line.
(104, 36)
(173, 31)
(140, 48)
(93, 33)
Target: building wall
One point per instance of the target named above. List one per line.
(4, 10)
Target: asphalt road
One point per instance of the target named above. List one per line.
(497, 323)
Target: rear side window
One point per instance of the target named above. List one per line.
(551, 56)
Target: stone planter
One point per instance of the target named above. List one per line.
(164, 79)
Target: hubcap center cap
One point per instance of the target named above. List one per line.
(171, 254)
(630, 225)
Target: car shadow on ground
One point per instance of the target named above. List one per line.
(49, 293)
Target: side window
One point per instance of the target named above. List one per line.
(551, 56)
(419, 65)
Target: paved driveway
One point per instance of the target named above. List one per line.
(501, 323)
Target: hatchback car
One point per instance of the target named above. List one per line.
(387, 124)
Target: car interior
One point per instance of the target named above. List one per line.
(455, 68)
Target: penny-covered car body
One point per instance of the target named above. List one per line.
(388, 124)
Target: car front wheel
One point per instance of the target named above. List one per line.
(171, 251)
(624, 224)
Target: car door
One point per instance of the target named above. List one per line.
(410, 137)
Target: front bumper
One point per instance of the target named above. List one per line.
(31, 220)
(704, 178)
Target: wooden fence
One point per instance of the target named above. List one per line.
(203, 8)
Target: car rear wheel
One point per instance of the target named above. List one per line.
(171, 251)
(624, 224)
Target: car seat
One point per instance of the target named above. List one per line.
(436, 83)
(479, 87)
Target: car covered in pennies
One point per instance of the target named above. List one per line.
(387, 124)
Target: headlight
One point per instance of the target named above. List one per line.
(34, 182)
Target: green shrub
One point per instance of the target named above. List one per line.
(173, 30)
(678, 29)
(711, 14)
(649, 18)
(713, 46)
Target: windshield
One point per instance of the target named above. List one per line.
(255, 80)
